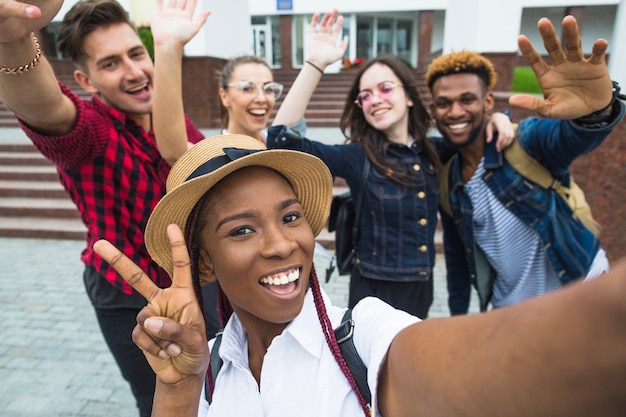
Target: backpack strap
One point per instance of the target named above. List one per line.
(573, 195)
(215, 365)
(343, 334)
(444, 187)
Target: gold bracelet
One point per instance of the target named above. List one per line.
(315, 66)
(27, 67)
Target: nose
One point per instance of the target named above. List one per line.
(456, 109)
(260, 95)
(134, 71)
(277, 243)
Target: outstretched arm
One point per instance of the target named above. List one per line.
(573, 86)
(173, 25)
(323, 51)
(562, 354)
(170, 329)
(32, 91)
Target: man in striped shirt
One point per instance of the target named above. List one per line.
(505, 234)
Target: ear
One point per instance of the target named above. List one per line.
(223, 96)
(84, 81)
(409, 103)
(206, 271)
(489, 101)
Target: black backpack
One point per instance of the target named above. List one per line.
(343, 333)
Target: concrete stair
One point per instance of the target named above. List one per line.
(32, 201)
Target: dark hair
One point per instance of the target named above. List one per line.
(82, 19)
(196, 222)
(356, 128)
(226, 74)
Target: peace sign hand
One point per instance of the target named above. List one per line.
(572, 86)
(170, 329)
(19, 18)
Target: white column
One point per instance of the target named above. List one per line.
(482, 25)
(617, 61)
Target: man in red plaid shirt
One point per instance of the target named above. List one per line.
(104, 148)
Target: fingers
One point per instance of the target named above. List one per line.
(571, 37)
(126, 268)
(532, 57)
(151, 337)
(526, 101)
(180, 258)
(20, 10)
(598, 53)
(551, 41)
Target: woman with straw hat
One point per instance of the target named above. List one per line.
(249, 217)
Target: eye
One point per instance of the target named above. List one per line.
(386, 88)
(291, 217)
(247, 87)
(467, 100)
(442, 104)
(364, 96)
(241, 231)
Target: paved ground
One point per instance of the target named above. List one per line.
(53, 361)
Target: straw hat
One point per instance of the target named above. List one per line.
(212, 159)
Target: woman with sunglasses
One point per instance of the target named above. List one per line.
(386, 123)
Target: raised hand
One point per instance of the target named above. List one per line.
(170, 329)
(19, 18)
(572, 86)
(324, 46)
(175, 23)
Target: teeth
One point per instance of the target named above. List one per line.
(458, 125)
(281, 279)
(258, 112)
(141, 87)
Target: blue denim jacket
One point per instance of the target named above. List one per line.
(397, 223)
(569, 246)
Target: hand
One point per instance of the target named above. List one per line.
(500, 122)
(170, 329)
(174, 23)
(572, 86)
(324, 48)
(19, 18)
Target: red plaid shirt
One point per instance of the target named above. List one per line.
(113, 172)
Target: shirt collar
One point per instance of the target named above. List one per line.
(234, 345)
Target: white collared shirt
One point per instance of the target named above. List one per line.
(300, 377)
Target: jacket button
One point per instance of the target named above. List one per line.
(421, 194)
(416, 167)
(423, 222)
(423, 248)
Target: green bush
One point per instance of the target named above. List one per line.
(525, 81)
(145, 34)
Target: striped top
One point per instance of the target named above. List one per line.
(513, 248)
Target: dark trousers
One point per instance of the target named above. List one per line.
(414, 297)
(117, 327)
(117, 316)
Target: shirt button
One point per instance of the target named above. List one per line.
(416, 167)
(423, 248)
(423, 222)
(421, 194)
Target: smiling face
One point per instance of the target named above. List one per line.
(118, 70)
(460, 104)
(258, 245)
(388, 113)
(248, 114)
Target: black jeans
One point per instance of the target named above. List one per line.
(414, 297)
(117, 316)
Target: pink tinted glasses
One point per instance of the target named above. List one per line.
(384, 91)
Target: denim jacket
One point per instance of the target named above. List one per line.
(397, 223)
(569, 246)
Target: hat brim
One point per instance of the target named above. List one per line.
(308, 175)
